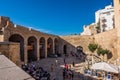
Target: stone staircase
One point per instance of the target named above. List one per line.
(91, 59)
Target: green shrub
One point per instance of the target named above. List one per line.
(101, 51)
(92, 47)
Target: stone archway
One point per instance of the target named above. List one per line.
(56, 47)
(19, 39)
(65, 49)
(42, 47)
(32, 49)
(79, 49)
(49, 46)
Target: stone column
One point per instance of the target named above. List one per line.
(46, 48)
(60, 49)
(38, 48)
(25, 52)
(53, 47)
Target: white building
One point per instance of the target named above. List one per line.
(105, 17)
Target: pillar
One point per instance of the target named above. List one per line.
(45, 48)
(53, 47)
(25, 52)
(38, 50)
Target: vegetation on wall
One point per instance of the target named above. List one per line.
(103, 52)
(100, 51)
(92, 47)
(98, 27)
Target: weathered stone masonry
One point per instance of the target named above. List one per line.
(34, 45)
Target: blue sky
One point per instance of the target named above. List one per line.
(59, 17)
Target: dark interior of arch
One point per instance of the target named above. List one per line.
(56, 46)
(42, 48)
(32, 49)
(19, 39)
(79, 49)
(65, 49)
(49, 46)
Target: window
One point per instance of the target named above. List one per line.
(108, 13)
(104, 25)
(104, 20)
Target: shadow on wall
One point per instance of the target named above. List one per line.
(66, 47)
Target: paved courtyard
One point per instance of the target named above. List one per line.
(57, 72)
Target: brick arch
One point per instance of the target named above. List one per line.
(19, 39)
(42, 47)
(49, 46)
(32, 48)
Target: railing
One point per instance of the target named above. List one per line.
(91, 59)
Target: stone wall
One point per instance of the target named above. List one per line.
(77, 40)
(25, 32)
(106, 40)
(10, 30)
(117, 24)
(11, 50)
(68, 44)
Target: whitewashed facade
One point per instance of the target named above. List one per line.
(105, 17)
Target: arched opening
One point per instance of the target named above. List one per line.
(65, 49)
(49, 46)
(56, 47)
(19, 39)
(79, 49)
(42, 47)
(32, 49)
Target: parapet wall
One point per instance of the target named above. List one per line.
(11, 50)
